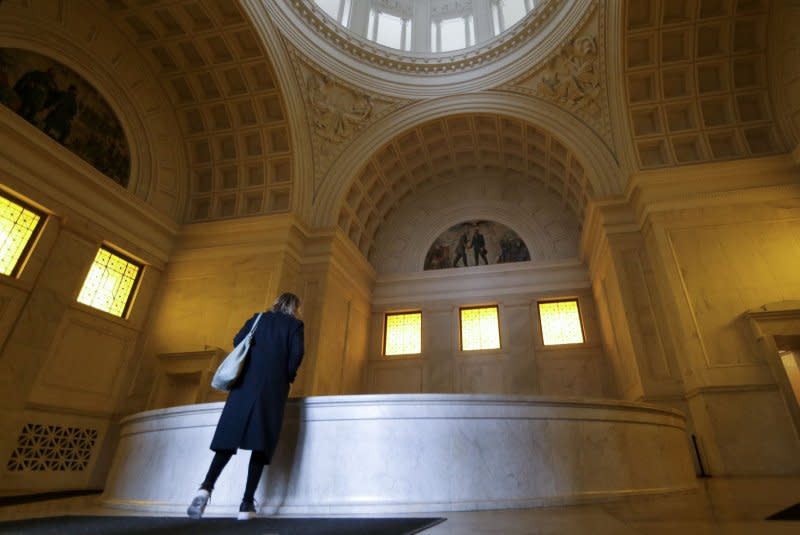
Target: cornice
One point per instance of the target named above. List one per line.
(730, 389)
(74, 187)
(781, 310)
(734, 182)
(384, 71)
(753, 181)
(477, 282)
(393, 60)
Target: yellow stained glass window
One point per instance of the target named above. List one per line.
(403, 334)
(561, 323)
(480, 328)
(110, 283)
(18, 227)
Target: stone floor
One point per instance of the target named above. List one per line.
(720, 506)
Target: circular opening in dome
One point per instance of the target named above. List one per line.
(428, 26)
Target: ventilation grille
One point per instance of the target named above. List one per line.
(53, 448)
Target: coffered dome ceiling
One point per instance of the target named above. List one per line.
(697, 81)
(278, 110)
(212, 62)
(469, 145)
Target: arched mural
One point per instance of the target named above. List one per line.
(66, 107)
(473, 243)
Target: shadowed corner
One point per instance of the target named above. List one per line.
(790, 513)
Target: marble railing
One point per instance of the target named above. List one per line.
(412, 453)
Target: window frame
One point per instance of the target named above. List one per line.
(126, 310)
(461, 331)
(373, 27)
(25, 254)
(577, 302)
(386, 331)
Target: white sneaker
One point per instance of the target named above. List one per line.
(247, 511)
(198, 504)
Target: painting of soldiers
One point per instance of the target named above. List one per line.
(62, 104)
(490, 243)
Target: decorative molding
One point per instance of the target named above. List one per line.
(573, 77)
(70, 186)
(395, 60)
(602, 171)
(336, 111)
(730, 389)
(389, 72)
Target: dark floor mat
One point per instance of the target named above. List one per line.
(141, 525)
(790, 513)
(43, 496)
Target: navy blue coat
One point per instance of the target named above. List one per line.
(253, 413)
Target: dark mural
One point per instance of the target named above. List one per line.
(473, 243)
(63, 105)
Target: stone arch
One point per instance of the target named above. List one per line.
(602, 169)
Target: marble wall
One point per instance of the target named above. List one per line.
(674, 295)
(223, 272)
(522, 365)
(65, 368)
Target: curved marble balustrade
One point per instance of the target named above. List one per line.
(412, 453)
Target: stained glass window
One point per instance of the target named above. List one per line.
(480, 328)
(19, 225)
(403, 334)
(110, 283)
(561, 322)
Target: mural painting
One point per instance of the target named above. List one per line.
(63, 105)
(473, 243)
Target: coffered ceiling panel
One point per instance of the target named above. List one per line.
(211, 61)
(696, 81)
(464, 145)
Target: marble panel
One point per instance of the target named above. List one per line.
(413, 453)
(86, 364)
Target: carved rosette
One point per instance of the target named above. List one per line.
(573, 77)
(336, 111)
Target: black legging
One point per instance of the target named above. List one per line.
(257, 462)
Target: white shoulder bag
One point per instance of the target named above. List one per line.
(231, 367)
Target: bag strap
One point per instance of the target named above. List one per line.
(255, 323)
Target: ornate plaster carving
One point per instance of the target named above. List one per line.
(462, 60)
(573, 76)
(337, 111)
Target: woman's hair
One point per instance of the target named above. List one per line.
(286, 303)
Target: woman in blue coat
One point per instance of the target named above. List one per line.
(253, 413)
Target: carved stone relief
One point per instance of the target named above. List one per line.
(573, 77)
(337, 111)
